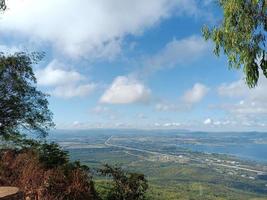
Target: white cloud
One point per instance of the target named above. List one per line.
(208, 121)
(69, 91)
(252, 102)
(196, 94)
(231, 123)
(171, 124)
(240, 89)
(190, 97)
(55, 74)
(177, 52)
(246, 109)
(77, 124)
(218, 123)
(166, 125)
(64, 83)
(100, 109)
(125, 90)
(234, 89)
(105, 113)
(171, 107)
(82, 27)
(165, 107)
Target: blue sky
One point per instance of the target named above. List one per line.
(132, 64)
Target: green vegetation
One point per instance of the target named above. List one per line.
(169, 178)
(51, 155)
(2, 5)
(22, 107)
(124, 185)
(242, 36)
(172, 181)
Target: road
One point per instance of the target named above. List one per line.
(107, 143)
(240, 168)
(135, 149)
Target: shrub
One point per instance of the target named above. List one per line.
(23, 169)
(126, 186)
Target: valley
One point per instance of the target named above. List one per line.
(173, 171)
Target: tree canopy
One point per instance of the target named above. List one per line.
(242, 36)
(22, 106)
(2, 4)
(130, 186)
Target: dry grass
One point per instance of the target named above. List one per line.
(22, 169)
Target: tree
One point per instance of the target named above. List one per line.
(126, 186)
(242, 36)
(22, 106)
(51, 155)
(2, 5)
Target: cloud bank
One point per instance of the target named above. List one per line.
(87, 28)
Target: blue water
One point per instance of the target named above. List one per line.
(257, 152)
(242, 145)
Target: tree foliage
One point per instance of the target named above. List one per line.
(242, 36)
(126, 186)
(2, 5)
(51, 155)
(22, 106)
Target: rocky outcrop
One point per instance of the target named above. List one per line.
(10, 193)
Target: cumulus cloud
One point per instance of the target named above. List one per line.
(190, 97)
(98, 28)
(231, 123)
(64, 83)
(212, 122)
(125, 90)
(55, 74)
(196, 94)
(177, 52)
(208, 121)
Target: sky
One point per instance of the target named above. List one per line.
(132, 64)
